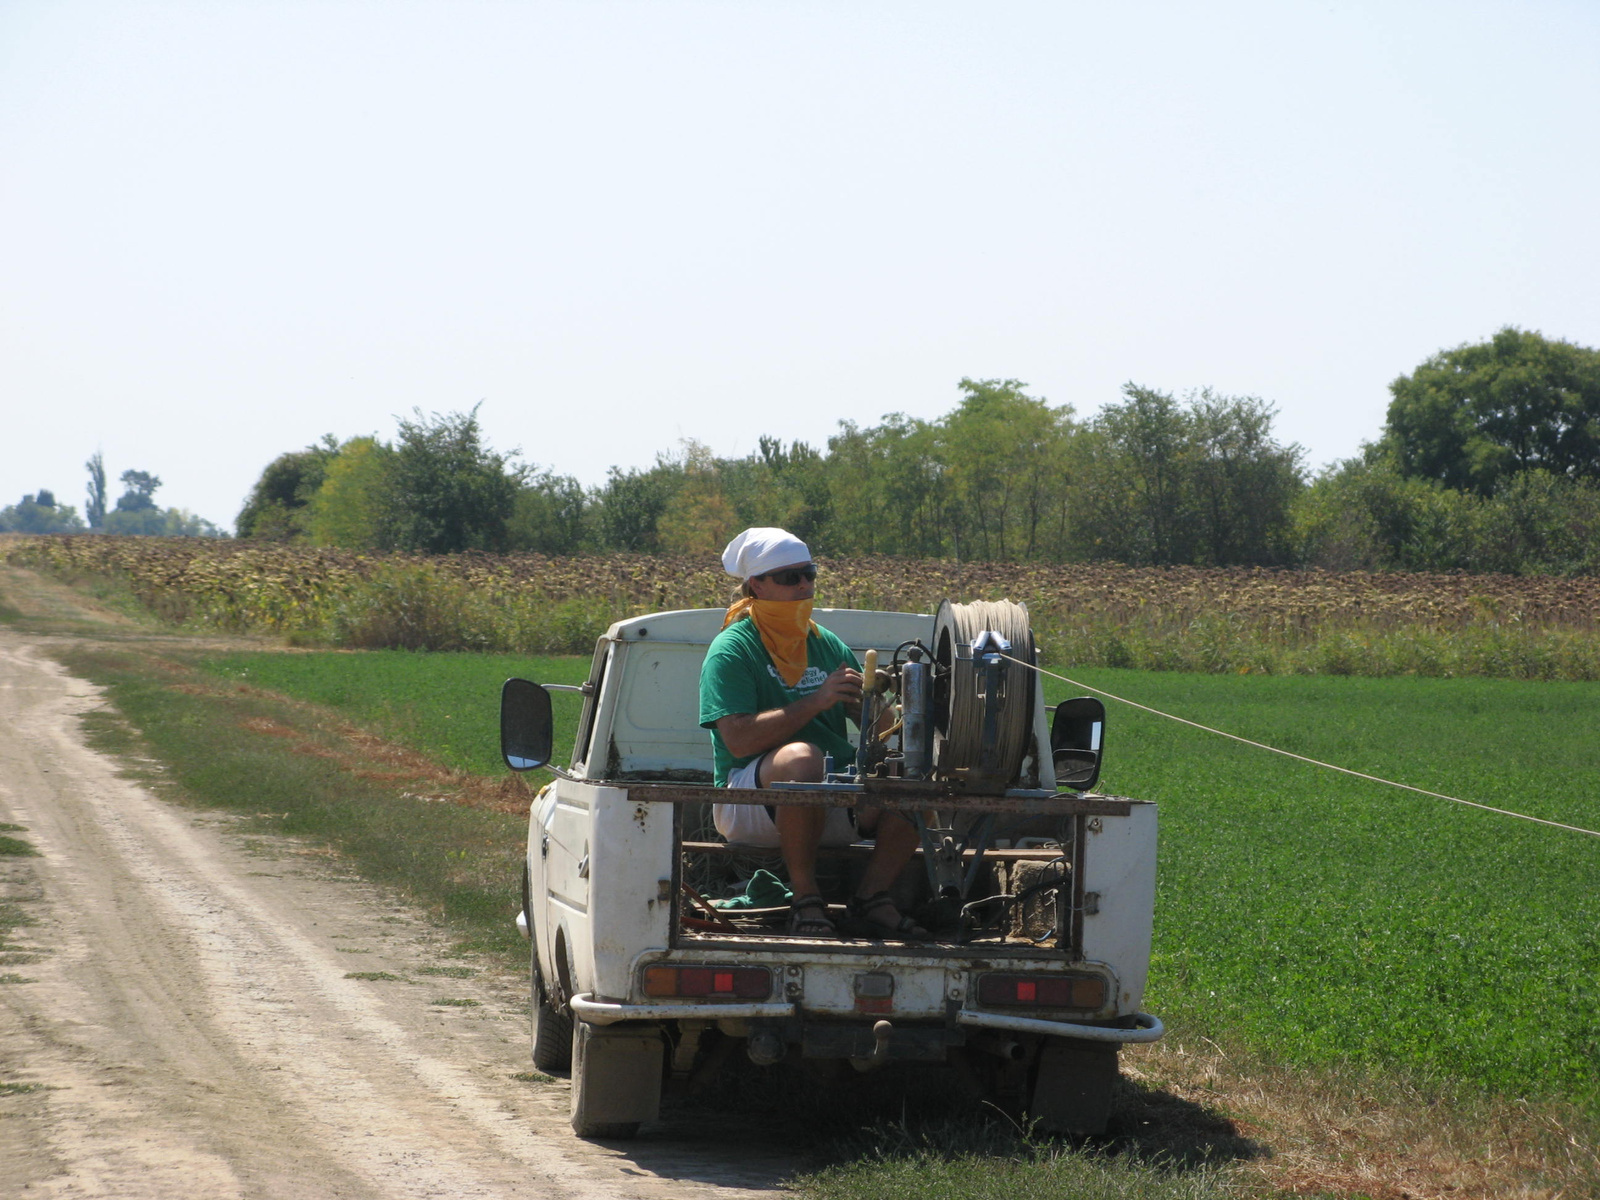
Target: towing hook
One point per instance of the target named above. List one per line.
(882, 1031)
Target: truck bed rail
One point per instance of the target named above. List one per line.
(1070, 804)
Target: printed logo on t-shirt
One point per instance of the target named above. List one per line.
(814, 678)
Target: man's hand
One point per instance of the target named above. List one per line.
(842, 687)
(755, 733)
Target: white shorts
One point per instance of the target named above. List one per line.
(751, 825)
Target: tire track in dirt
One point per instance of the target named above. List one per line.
(193, 1030)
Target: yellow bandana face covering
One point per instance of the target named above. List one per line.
(784, 626)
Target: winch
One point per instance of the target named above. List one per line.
(957, 719)
(965, 708)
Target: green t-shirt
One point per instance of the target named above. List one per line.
(738, 677)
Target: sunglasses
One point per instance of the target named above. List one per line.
(793, 576)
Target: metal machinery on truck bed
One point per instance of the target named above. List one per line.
(1038, 891)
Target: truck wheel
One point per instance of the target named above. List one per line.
(1072, 1086)
(616, 1079)
(552, 1030)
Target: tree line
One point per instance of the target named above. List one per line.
(135, 511)
(1003, 476)
(1489, 460)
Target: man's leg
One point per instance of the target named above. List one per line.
(799, 826)
(800, 830)
(895, 840)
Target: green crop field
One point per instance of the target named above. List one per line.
(1311, 916)
(1319, 917)
(444, 704)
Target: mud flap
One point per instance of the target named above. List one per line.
(616, 1078)
(1072, 1086)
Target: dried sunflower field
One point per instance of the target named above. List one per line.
(1231, 620)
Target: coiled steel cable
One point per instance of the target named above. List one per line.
(959, 738)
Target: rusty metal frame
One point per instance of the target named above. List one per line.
(1070, 804)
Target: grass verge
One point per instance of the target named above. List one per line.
(291, 773)
(930, 1171)
(444, 705)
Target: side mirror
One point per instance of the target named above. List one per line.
(526, 727)
(1077, 742)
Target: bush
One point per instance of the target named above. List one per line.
(414, 607)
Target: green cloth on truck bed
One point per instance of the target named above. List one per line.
(765, 890)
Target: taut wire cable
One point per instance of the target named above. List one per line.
(1504, 812)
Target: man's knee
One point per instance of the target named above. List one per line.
(871, 818)
(797, 762)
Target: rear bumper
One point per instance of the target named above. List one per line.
(599, 1012)
(1148, 1028)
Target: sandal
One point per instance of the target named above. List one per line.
(862, 923)
(808, 917)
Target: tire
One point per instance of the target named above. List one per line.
(616, 1079)
(552, 1028)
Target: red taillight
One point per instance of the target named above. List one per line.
(1086, 992)
(709, 983)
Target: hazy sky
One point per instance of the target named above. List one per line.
(229, 228)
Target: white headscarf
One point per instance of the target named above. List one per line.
(757, 551)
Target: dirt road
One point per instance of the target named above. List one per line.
(181, 1014)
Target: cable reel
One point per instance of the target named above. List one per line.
(983, 703)
(964, 726)
(966, 710)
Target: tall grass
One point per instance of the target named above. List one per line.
(418, 606)
(1180, 619)
(1226, 644)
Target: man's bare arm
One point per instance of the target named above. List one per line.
(753, 733)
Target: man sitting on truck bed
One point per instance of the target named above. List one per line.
(774, 692)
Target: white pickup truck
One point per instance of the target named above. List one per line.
(1040, 898)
